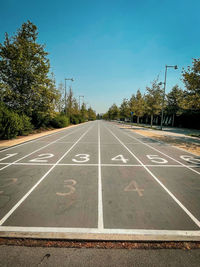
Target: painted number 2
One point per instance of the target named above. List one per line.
(42, 157)
(81, 158)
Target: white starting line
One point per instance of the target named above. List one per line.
(96, 164)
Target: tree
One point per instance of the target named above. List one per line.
(24, 67)
(69, 104)
(153, 100)
(113, 112)
(91, 114)
(61, 102)
(137, 105)
(125, 109)
(84, 113)
(191, 78)
(175, 102)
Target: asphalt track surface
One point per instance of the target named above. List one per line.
(99, 181)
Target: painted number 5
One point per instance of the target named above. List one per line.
(157, 159)
(81, 158)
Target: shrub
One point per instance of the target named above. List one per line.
(27, 126)
(10, 124)
(60, 121)
(74, 119)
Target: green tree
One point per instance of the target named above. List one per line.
(175, 102)
(91, 114)
(84, 112)
(153, 100)
(113, 112)
(61, 100)
(24, 68)
(125, 109)
(137, 105)
(191, 79)
(69, 104)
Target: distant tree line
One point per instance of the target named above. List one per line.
(29, 98)
(181, 107)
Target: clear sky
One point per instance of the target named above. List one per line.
(111, 48)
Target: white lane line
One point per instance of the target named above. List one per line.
(194, 219)
(35, 140)
(161, 142)
(38, 149)
(188, 167)
(100, 201)
(41, 179)
(94, 164)
(77, 230)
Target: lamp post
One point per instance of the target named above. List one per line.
(79, 100)
(163, 100)
(71, 79)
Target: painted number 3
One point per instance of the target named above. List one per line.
(81, 158)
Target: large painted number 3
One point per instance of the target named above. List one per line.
(69, 184)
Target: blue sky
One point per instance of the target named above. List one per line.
(111, 48)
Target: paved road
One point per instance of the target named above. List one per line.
(99, 181)
(72, 257)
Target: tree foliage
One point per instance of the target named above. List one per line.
(153, 100)
(28, 91)
(24, 67)
(137, 105)
(191, 79)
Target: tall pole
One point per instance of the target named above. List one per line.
(80, 101)
(65, 99)
(163, 100)
(71, 79)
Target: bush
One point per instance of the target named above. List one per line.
(11, 124)
(74, 119)
(60, 121)
(27, 126)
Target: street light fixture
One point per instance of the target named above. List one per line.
(70, 79)
(163, 101)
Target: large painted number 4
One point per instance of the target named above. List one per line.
(120, 158)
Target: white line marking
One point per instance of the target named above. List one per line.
(194, 219)
(35, 140)
(100, 231)
(38, 149)
(188, 167)
(100, 201)
(94, 164)
(41, 179)
(8, 156)
(156, 141)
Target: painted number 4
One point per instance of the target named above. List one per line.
(120, 158)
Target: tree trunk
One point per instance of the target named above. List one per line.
(138, 120)
(151, 120)
(173, 117)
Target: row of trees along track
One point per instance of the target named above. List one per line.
(181, 107)
(29, 98)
